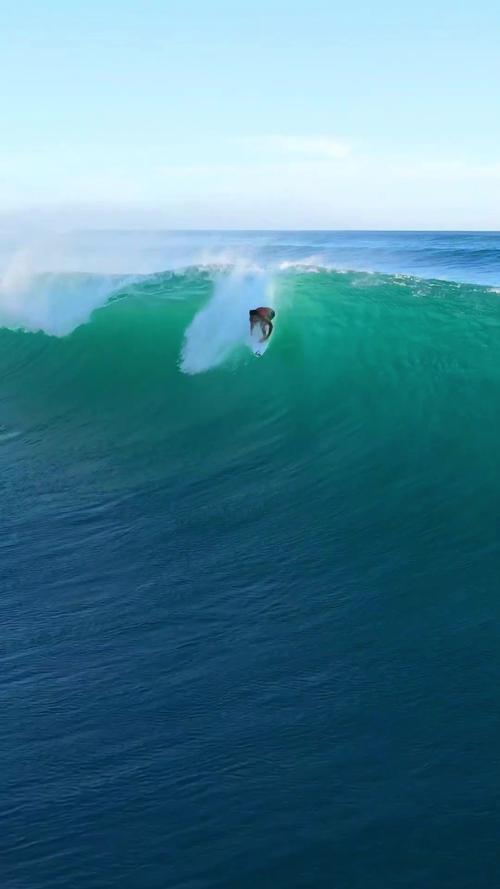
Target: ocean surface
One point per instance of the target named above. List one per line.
(250, 608)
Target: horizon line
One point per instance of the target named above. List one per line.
(447, 231)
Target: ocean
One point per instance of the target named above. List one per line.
(250, 606)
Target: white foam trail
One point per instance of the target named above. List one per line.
(309, 263)
(50, 303)
(222, 325)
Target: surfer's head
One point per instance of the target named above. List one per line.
(265, 313)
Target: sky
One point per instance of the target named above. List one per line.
(262, 114)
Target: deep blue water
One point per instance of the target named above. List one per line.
(250, 612)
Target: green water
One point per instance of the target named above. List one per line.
(251, 605)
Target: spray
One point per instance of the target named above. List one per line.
(222, 325)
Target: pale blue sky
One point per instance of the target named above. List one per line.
(263, 114)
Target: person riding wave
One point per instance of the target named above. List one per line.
(263, 317)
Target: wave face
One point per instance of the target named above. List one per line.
(230, 578)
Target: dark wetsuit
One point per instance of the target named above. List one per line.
(263, 316)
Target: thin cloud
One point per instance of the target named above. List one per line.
(308, 148)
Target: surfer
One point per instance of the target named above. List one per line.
(262, 316)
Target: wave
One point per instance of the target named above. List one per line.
(55, 283)
(161, 383)
(295, 545)
(204, 311)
